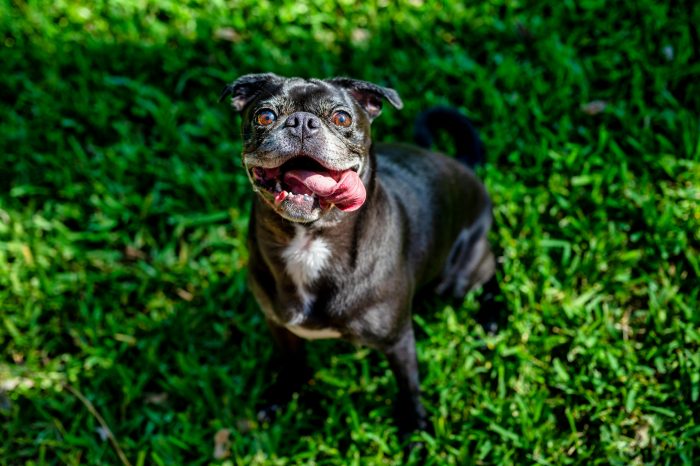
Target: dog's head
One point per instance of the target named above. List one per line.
(306, 141)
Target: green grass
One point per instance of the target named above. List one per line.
(123, 217)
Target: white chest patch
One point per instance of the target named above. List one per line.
(305, 257)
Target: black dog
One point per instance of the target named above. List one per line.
(344, 232)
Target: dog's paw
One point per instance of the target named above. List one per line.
(269, 412)
(415, 451)
(415, 447)
(410, 425)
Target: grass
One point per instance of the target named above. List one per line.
(123, 217)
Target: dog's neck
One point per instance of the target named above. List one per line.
(307, 250)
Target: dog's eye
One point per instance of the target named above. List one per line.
(341, 118)
(265, 117)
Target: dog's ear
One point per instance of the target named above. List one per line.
(370, 96)
(244, 89)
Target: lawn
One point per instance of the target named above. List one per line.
(123, 218)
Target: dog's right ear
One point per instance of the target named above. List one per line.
(244, 89)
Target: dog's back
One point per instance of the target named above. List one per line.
(451, 250)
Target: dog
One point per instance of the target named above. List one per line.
(344, 232)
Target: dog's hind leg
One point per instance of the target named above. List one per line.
(493, 312)
(471, 264)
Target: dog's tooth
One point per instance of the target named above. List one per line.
(280, 196)
(278, 186)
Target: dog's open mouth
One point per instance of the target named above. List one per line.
(304, 183)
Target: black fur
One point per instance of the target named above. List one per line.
(423, 225)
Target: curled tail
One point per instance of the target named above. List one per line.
(470, 149)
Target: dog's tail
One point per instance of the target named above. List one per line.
(468, 145)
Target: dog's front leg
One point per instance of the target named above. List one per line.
(410, 413)
(290, 367)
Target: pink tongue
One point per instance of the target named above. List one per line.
(344, 189)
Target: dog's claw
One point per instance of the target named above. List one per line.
(268, 413)
(413, 446)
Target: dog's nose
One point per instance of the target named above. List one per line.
(303, 124)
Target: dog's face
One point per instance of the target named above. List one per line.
(306, 142)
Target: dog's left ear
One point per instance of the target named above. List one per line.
(244, 89)
(370, 96)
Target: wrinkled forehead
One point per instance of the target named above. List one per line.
(308, 95)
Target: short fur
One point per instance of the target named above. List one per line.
(318, 272)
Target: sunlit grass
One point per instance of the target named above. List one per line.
(123, 217)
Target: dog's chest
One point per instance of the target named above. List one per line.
(305, 259)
